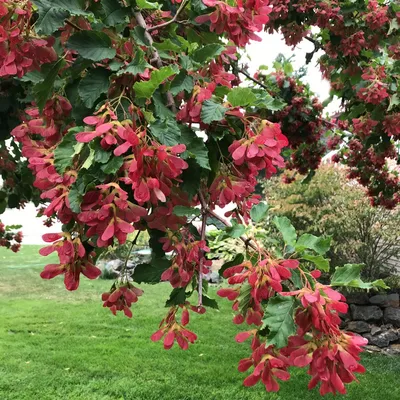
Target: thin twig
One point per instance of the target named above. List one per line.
(78, 28)
(140, 20)
(201, 263)
(246, 74)
(180, 9)
(134, 241)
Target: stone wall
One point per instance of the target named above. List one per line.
(376, 317)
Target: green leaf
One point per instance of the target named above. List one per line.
(114, 13)
(195, 147)
(279, 320)
(89, 160)
(137, 66)
(239, 258)
(43, 91)
(349, 275)
(160, 108)
(147, 5)
(183, 211)
(236, 230)
(319, 244)
(177, 297)
(50, 19)
(209, 302)
(167, 132)
(93, 85)
(113, 165)
(394, 26)
(216, 222)
(33, 76)
(151, 273)
(146, 89)
(244, 298)
(241, 97)
(276, 104)
(212, 111)
(92, 45)
(287, 230)
(182, 81)
(75, 199)
(139, 35)
(207, 53)
(100, 155)
(319, 261)
(65, 151)
(191, 177)
(53, 13)
(168, 45)
(259, 211)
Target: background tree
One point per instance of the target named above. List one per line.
(330, 205)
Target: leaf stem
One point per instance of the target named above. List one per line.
(134, 241)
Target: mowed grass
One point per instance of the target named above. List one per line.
(60, 345)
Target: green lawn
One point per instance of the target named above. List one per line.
(60, 345)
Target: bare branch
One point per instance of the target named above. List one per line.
(247, 75)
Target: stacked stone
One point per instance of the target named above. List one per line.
(377, 318)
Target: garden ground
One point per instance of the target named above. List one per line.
(60, 345)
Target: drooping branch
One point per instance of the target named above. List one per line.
(172, 20)
(141, 22)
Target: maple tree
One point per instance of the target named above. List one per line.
(125, 116)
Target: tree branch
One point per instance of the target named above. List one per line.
(175, 17)
(314, 42)
(141, 22)
(247, 75)
(201, 263)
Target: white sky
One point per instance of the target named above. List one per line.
(260, 53)
(265, 52)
